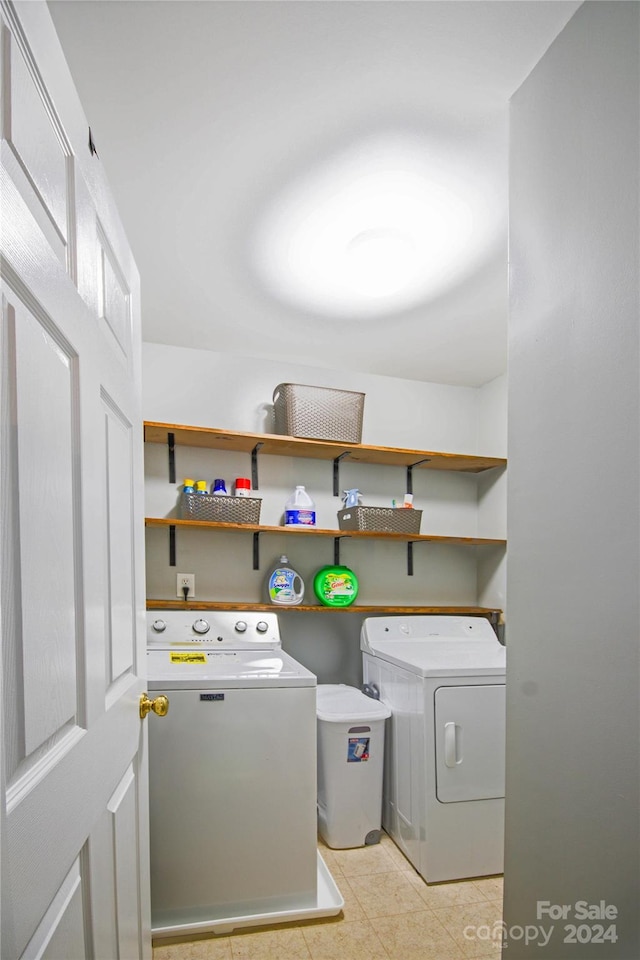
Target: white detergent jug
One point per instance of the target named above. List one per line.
(300, 510)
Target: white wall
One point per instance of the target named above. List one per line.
(573, 506)
(235, 393)
(492, 494)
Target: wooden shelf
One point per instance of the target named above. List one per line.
(491, 613)
(257, 444)
(315, 449)
(315, 532)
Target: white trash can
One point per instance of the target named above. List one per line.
(350, 764)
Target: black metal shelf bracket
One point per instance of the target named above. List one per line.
(256, 550)
(171, 445)
(410, 544)
(410, 472)
(336, 473)
(172, 545)
(254, 469)
(336, 549)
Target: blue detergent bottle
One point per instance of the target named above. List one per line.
(284, 585)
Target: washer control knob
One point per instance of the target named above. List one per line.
(241, 626)
(262, 626)
(200, 626)
(159, 626)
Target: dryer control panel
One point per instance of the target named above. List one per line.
(375, 629)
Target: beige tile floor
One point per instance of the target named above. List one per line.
(389, 913)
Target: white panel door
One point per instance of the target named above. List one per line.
(75, 870)
(470, 742)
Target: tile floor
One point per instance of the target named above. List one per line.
(389, 913)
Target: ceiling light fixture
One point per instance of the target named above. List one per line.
(377, 230)
(380, 262)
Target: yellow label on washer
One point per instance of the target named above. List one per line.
(192, 657)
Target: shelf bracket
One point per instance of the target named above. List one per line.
(256, 550)
(336, 473)
(410, 472)
(172, 545)
(410, 544)
(172, 457)
(336, 549)
(254, 470)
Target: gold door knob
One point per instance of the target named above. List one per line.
(159, 705)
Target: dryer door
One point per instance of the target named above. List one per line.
(470, 742)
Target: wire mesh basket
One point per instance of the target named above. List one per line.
(318, 413)
(380, 519)
(204, 506)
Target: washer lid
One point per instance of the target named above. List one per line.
(339, 703)
(180, 668)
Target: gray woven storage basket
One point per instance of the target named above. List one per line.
(204, 506)
(318, 413)
(380, 519)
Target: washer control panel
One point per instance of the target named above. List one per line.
(213, 628)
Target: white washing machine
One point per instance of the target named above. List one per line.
(232, 771)
(443, 798)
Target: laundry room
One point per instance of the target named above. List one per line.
(423, 215)
(464, 506)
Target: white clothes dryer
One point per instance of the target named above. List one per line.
(443, 677)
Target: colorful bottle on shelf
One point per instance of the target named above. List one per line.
(188, 485)
(219, 488)
(201, 486)
(242, 487)
(284, 585)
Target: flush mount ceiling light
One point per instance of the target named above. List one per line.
(380, 262)
(379, 229)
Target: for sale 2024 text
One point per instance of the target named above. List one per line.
(588, 925)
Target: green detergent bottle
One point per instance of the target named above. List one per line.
(335, 586)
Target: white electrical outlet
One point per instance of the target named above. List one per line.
(186, 580)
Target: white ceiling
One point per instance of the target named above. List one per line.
(203, 112)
